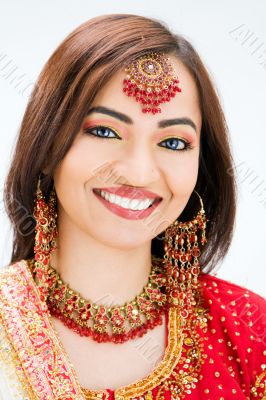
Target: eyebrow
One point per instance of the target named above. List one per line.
(125, 118)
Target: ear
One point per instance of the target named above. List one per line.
(45, 170)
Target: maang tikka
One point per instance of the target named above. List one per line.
(151, 79)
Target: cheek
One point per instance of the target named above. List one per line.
(70, 178)
(181, 182)
(78, 165)
(69, 170)
(182, 176)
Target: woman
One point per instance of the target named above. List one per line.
(108, 293)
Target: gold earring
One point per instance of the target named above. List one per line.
(182, 251)
(46, 232)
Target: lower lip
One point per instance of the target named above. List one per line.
(125, 213)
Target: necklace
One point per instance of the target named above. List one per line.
(105, 324)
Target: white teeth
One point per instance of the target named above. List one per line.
(134, 204)
(111, 197)
(124, 202)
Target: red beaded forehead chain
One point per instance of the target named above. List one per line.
(151, 79)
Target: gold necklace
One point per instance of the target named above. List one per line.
(114, 324)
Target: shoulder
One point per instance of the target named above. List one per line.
(232, 296)
(13, 277)
(11, 269)
(238, 318)
(228, 288)
(237, 305)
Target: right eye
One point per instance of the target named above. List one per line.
(102, 132)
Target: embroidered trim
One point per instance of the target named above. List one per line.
(29, 330)
(12, 369)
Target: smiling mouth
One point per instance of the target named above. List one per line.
(127, 203)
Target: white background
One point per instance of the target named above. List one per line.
(230, 36)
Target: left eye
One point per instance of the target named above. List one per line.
(101, 132)
(174, 144)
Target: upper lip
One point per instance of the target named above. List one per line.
(131, 193)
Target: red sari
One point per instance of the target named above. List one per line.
(223, 357)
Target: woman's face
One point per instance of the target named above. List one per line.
(120, 146)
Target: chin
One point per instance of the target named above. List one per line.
(122, 239)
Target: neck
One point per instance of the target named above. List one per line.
(100, 273)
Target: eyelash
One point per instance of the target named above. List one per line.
(97, 127)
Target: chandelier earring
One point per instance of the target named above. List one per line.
(181, 259)
(45, 235)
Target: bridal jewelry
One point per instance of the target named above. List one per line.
(113, 324)
(45, 236)
(151, 80)
(181, 256)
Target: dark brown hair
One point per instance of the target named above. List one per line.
(68, 83)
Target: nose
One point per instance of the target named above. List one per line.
(137, 167)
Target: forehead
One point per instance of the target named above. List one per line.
(185, 103)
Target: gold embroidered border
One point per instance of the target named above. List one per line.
(26, 320)
(169, 380)
(9, 361)
(162, 371)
